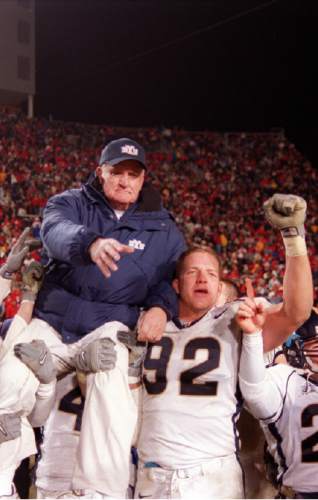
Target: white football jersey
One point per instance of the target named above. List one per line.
(292, 432)
(190, 400)
(61, 437)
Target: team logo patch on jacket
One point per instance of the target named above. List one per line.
(139, 245)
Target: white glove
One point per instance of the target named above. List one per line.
(16, 256)
(32, 279)
(10, 427)
(98, 356)
(36, 356)
(287, 212)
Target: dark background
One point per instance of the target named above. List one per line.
(226, 65)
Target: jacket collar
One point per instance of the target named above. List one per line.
(149, 199)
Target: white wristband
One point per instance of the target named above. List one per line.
(295, 246)
(253, 338)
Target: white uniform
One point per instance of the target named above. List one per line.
(18, 390)
(110, 412)
(61, 438)
(188, 439)
(287, 404)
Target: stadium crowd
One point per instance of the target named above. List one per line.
(211, 182)
(215, 185)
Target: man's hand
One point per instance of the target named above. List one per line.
(250, 316)
(17, 255)
(36, 356)
(286, 211)
(137, 351)
(152, 324)
(10, 427)
(105, 252)
(32, 279)
(98, 356)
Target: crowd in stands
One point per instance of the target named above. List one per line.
(214, 184)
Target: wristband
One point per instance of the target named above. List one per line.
(251, 338)
(294, 241)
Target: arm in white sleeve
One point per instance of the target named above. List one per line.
(262, 396)
(45, 397)
(5, 288)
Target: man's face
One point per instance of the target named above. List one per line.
(198, 285)
(121, 183)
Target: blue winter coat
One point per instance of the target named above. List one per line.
(75, 297)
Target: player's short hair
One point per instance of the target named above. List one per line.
(199, 249)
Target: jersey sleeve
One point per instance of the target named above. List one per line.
(45, 398)
(5, 287)
(262, 392)
(17, 326)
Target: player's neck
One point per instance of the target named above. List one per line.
(187, 315)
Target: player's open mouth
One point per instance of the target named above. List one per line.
(201, 291)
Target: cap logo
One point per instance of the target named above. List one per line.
(129, 150)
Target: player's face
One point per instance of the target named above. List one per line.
(121, 183)
(198, 285)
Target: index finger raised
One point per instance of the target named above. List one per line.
(250, 293)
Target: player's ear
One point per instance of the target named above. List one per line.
(99, 172)
(175, 285)
(220, 287)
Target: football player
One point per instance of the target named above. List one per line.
(285, 399)
(16, 434)
(188, 444)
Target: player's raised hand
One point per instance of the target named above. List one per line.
(17, 255)
(250, 316)
(10, 427)
(286, 211)
(36, 355)
(105, 252)
(151, 325)
(98, 356)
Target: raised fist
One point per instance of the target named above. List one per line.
(286, 212)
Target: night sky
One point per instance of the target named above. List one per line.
(219, 65)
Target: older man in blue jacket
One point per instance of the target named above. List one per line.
(112, 250)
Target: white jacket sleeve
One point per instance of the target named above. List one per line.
(5, 288)
(45, 398)
(262, 395)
